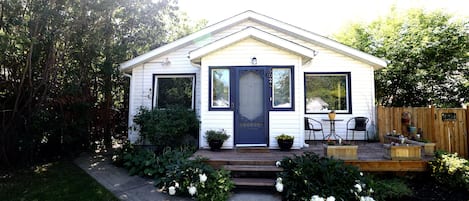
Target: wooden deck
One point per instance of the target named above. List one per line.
(370, 158)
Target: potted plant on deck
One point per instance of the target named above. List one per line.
(285, 142)
(331, 115)
(216, 139)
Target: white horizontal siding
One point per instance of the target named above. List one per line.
(283, 122)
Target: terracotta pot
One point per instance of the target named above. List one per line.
(285, 145)
(331, 115)
(215, 145)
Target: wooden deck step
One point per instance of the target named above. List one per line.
(253, 149)
(254, 182)
(252, 168)
(220, 163)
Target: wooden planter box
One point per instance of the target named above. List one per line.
(402, 152)
(428, 148)
(343, 152)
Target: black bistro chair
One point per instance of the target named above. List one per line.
(312, 125)
(357, 124)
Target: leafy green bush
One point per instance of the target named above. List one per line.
(119, 153)
(451, 170)
(307, 175)
(390, 189)
(145, 162)
(170, 127)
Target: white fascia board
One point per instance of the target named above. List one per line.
(320, 40)
(254, 33)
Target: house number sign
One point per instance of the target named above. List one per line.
(448, 116)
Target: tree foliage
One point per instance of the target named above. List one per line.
(60, 88)
(427, 53)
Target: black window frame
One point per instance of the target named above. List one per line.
(210, 85)
(292, 89)
(154, 98)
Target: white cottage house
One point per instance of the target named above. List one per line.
(256, 78)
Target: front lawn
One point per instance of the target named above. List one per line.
(53, 181)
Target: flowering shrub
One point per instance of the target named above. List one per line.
(196, 179)
(361, 191)
(175, 174)
(451, 170)
(327, 179)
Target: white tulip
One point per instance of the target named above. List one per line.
(172, 190)
(358, 187)
(366, 198)
(278, 163)
(279, 187)
(192, 190)
(279, 180)
(176, 185)
(202, 178)
(330, 198)
(317, 198)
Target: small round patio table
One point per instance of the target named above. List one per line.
(332, 128)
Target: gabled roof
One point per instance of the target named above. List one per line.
(252, 32)
(262, 19)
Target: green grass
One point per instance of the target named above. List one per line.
(54, 181)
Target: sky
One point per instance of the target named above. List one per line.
(324, 17)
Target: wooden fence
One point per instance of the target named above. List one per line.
(446, 127)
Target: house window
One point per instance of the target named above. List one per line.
(327, 91)
(174, 90)
(281, 88)
(220, 88)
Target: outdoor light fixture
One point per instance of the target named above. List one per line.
(254, 61)
(166, 62)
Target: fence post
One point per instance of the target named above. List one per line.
(432, 119)
(467, 131)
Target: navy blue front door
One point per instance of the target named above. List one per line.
(251, 116)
